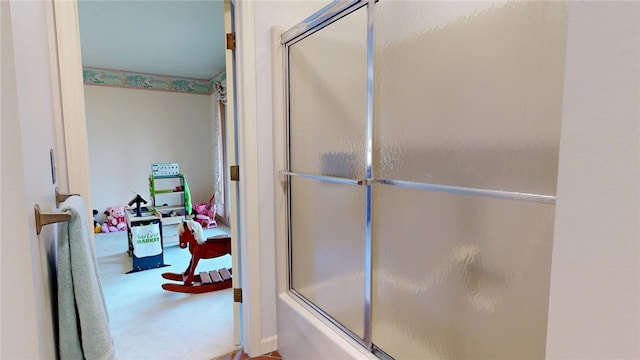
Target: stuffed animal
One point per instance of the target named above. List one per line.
(110, 224)
(121, 221)
(97, 228)
(105, 225)
(115, 219)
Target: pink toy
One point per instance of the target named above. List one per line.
(116, 220)
(206, 213)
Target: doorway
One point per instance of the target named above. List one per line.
(177, 133)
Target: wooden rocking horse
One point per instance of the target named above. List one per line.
(191, 236)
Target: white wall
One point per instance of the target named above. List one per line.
(594, 301)
(129, 129)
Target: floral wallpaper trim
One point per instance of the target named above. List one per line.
(94, 76)
(221, 78)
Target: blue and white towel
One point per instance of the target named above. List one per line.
(83, 320)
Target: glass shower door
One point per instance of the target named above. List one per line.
(422, 151)
(468, 102)
(327, 106)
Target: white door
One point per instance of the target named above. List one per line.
(30, 117)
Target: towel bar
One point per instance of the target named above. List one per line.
(62, 197)
(46, 218)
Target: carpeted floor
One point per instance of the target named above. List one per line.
(148, 322)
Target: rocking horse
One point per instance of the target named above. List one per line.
(191, 236)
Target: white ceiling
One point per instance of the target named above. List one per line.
(182, 38)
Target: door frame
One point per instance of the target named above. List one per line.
(74, 122)
(249, 235)
(76, 150)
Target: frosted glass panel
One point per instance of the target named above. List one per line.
(327, 246)
(327, 89)
(459, 277)
(470, 93)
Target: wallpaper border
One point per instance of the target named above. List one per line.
(142, 81)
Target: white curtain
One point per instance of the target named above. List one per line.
(220, 97)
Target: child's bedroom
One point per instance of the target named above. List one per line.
(154, 83)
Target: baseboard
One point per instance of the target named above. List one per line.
(269, 344)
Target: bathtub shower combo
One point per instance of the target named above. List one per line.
(422, 156)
